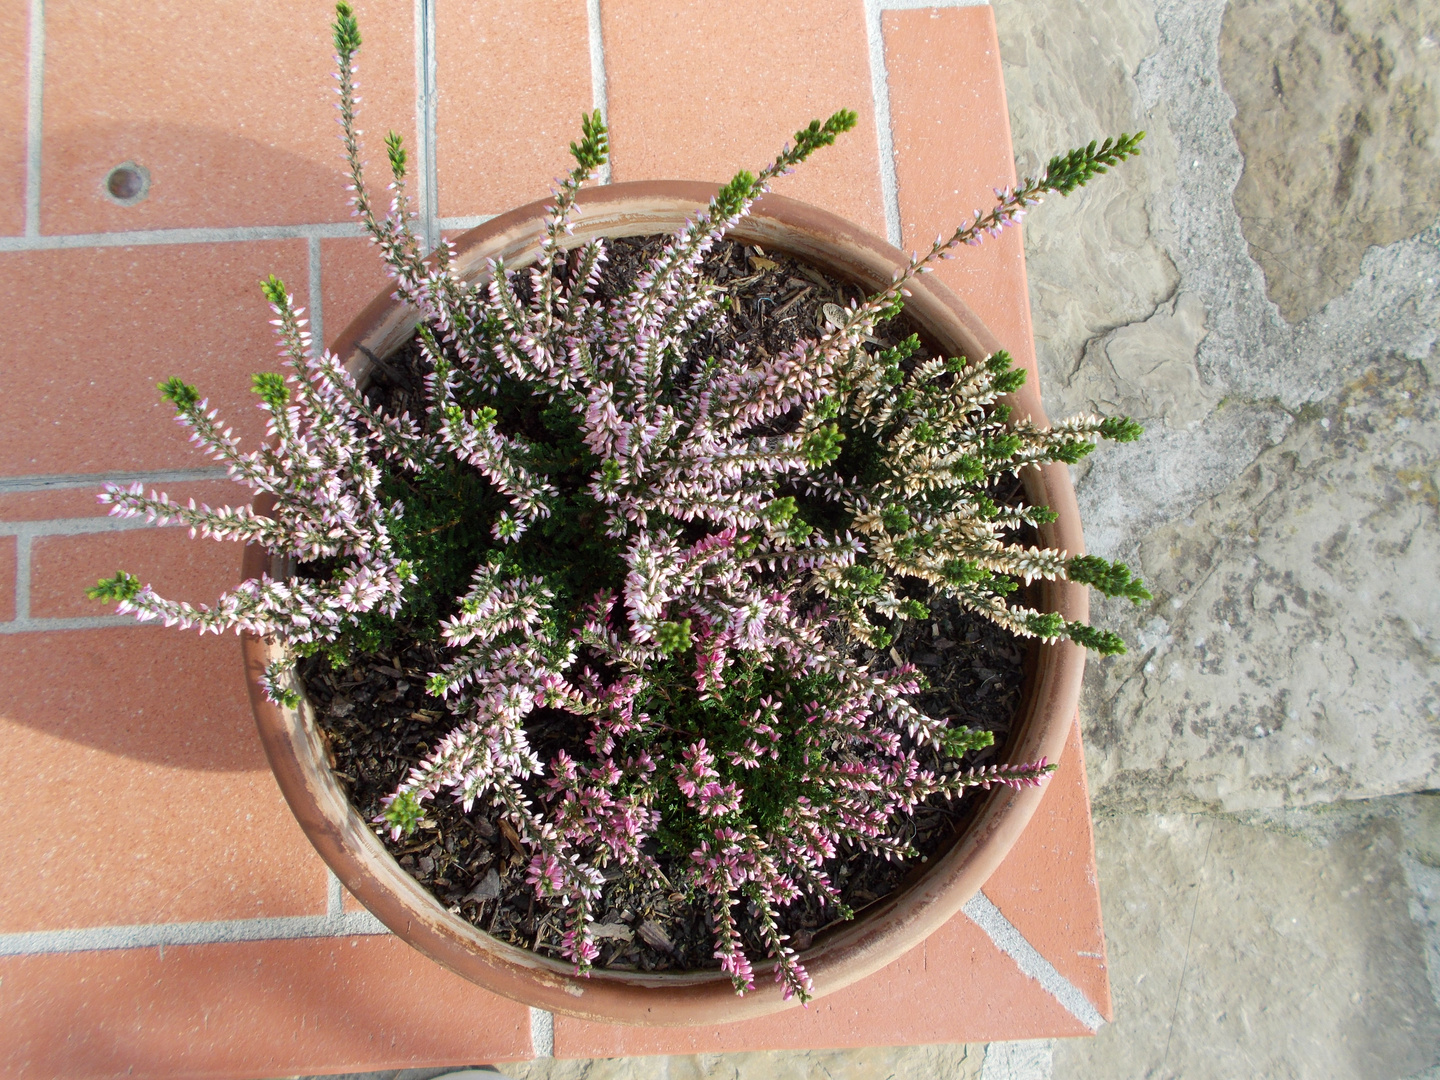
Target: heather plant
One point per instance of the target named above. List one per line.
(681, 546)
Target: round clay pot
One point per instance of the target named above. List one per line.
(842, 955)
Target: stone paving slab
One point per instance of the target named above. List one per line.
(1286, 945)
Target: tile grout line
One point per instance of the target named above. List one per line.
(23, 485)
(212, 235)
(25, 532)
(599, 84)
(334, 894)
(82, 622)
(884, 131)
(464, 221)
(199, 235)
(22, 579)
(81, 526)
(542, 1033)
(317, 306)
(219, 932)
(34, 116)
(425, 83)
(1003, 933)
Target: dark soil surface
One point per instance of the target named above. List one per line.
(380, 721)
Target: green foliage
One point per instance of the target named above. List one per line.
(1049, 624)
(1008, 378)
(593, 149)
(682, 717)
(1112, 579)
(179, 393)
(1073, 452)
(914, 609)
(279, 683)
(986, 508)
(783, 513)
(674, 637)
(404, 813)
(732, 196)
(1104, 642)
(272, 390)
(964, 572)
(1069, 171)
(822, 446)
(395, 151)
(957, 742)
(449, 511)
(780, 511)
(1001, 448)
(813, 137)
(969, 469)
(864, 581)
(1121, 429)
(346, 31)
(893, 357)
(896, 518)
(274, 290)
(112, 590)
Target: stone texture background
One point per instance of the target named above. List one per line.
(1283, 502)
(1260, 288)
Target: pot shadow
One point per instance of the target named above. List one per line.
(150, 694)
(276, 1008)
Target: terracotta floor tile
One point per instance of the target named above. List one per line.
(231, 111)
(1047, 887)
(63, 567)
(351, 275)
(699, 90)
(956, 987)
(7, 578)
(146, 797)
(101, 327)
(80, 502)
(282, 1008)
(514, 77)
(952, 147)
(14, 103)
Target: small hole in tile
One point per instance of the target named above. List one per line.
(128, 183)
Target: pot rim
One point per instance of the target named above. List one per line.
(298, 755)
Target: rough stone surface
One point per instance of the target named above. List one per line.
(1291, 654)
(1280, 948)
(1027, 1060)
(1148, 368)
(1343, 693)
(1337, 105)
(870, 1063)
(1094, 258)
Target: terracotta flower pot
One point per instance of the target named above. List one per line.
(840, 956)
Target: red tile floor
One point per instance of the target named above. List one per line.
(161, 914)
